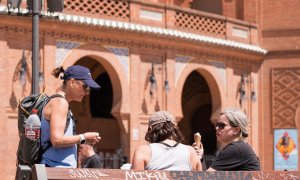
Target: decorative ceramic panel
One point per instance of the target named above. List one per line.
(286, 149)
(63, 48)
(180, 62)
(221, 70)
(122, 54)
(285, 96)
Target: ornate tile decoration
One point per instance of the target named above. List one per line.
(180, 62)
(221, 70)
(285, 96)
(122, 54)
(63, 48)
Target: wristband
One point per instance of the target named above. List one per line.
(82, 139)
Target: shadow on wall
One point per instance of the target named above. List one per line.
(20, 78)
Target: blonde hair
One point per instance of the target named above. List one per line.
(237, 118)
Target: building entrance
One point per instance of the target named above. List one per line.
(197, 110)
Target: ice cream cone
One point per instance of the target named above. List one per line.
(197, 139)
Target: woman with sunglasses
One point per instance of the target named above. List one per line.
(58, 139)
(235, 153)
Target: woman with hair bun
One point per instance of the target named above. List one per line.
(58, 139)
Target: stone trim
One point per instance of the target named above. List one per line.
(158, 31)
(126, 26)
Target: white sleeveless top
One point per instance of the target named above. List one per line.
(169, 158)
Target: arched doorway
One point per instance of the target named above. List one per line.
(93, 114)
(101, 101)
(197, 111)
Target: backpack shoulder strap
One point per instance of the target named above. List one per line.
(69, 116)
(56, 95)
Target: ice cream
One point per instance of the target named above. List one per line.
(197, 139)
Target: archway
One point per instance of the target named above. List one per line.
(197, 112)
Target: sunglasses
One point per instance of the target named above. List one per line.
(84, 86)
(221, 126)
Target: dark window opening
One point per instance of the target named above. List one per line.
(211, 6)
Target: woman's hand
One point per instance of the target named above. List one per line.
(92, 137)
(199, 150)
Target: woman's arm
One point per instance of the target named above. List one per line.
(210, 169)
(194, 160)
(141, 157)
(57, 112)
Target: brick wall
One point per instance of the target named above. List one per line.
(280, 35)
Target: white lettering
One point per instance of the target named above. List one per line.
(140, 175)
(162, 176)
(86, 173)
(129, 175)
(72, 173)
(145, 175)
(266, 175)
(98, 173)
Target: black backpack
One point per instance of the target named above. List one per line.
(29, 151)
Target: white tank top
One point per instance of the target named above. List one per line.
(170, 158)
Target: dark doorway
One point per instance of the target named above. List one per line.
(101, 101)
(200, 122)
(197, 110)
(93, 114)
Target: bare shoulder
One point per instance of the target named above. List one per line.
(191, 148)
(142, 152)
(58, 103)
(141, 157)
(192, 151)
(143, 149)
(59, 100)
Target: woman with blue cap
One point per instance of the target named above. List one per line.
(58, 139)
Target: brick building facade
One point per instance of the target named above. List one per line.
(204, 55)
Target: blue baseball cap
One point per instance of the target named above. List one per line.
(81, 73)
